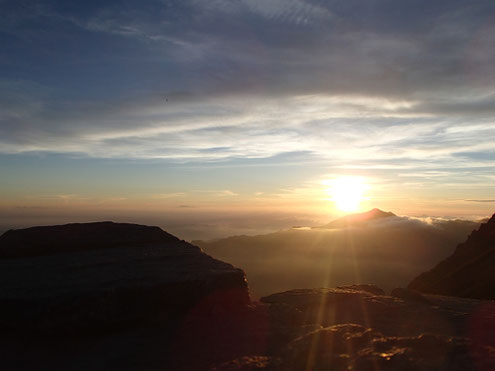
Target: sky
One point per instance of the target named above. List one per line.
(235, 115)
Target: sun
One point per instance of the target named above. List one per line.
(347, 192)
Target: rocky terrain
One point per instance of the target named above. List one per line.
(468, 272)
(360, 328)
(145, 300)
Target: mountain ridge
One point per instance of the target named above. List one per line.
(468, 271)
(370, 251)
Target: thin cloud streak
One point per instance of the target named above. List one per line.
(219, 130)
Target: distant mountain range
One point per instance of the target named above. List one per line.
(372, 247)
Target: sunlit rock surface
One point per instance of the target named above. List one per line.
(469, 272)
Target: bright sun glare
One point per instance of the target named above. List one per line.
(347, 192)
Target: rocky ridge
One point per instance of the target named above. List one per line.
(468, 272)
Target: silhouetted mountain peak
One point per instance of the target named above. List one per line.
(376, 213)
(483, 237)
(358, 218)
(488, 227)
(492, 220)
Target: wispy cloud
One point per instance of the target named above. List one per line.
(219, 129)
(388, 86)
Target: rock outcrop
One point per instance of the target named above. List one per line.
(466, 273)
(94, 280)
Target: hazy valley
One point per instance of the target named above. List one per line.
(372, 247)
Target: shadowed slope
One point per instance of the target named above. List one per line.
(468, 272)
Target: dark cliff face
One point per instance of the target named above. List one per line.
(466, 273)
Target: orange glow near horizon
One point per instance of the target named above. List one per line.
(347, 192)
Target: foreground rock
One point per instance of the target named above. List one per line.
(358, 329)
(466, 273)
(123, 286)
